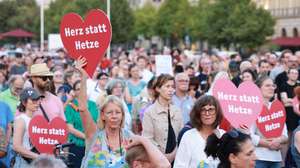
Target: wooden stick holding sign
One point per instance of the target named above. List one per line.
(241, 106)
(88, 38)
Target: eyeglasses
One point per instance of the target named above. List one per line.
(208, 111)
(45, 78)
(112, 112)
(17, 89)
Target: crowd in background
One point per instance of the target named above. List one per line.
(177, 114)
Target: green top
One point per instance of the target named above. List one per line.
(10, 99)
(73, 117)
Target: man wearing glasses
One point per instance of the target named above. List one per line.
(11, 95)
(51, 105)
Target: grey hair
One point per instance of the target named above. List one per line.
(177, 76)
(13, 78)
(112, 83)
(47, 161)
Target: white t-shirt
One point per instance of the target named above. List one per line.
(93, 90)
(190, 153)
(263, 153)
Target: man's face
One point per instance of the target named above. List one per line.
(286, 57)
(264, 67)
(182, 83)
(206, 65)
(293, 75)
(17, 87)
(292, 61)
(42, 82)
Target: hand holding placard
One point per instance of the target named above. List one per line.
(89, 38)
(44, 136)
(242, 105)
(271, 122)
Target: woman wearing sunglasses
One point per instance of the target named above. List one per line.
(205, 116)
(268, 149)
(234, 150)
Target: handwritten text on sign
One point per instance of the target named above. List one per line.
(271, 121)
(242, 105)
(44, 135)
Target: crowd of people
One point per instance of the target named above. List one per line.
(127, 116)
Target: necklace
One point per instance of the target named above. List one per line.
(111, 152)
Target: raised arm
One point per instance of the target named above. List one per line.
(88, 123)
(155, 156)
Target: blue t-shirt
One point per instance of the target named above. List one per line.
(135, 90)
(6, 115)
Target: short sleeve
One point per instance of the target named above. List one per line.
(68, 114)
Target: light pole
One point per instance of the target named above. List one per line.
(108, 14)
(42, 25)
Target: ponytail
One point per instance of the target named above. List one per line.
(212, 145)
(222, 147)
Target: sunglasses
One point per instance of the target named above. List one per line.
(233, 133)
(45, 78)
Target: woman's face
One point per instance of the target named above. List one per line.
(245, 158)
(112, 116)
(246, 76)
(134, 72)
(208, 115)
(32, 105)
(77, 90)
(117, 90)
(267, 88)
(166, 91)
(75, 77)
(58, 77)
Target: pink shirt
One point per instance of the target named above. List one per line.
(52, 105)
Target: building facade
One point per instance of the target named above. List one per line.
(287, 15)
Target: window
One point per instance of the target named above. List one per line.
(295, 32)
(283, 32)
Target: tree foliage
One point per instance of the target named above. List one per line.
(239, 23)
(19, 14)
(145, 21)
(173, 18)
(122, 19)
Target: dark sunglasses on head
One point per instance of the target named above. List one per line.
(233, 133)
(44, 78)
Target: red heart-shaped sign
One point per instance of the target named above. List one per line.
(44, 136)
(242, 105)
(89, 38)
(271, 122)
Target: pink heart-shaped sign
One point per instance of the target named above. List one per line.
(271, 122)
(89, 38)
(242, 105)
(44, 136)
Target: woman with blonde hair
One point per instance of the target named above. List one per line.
(105, 140)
